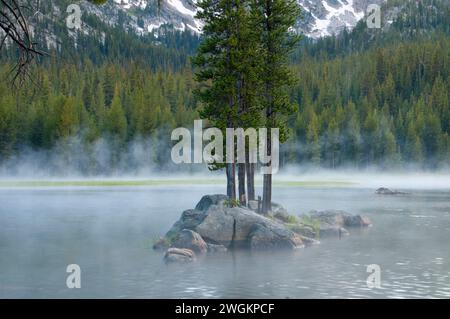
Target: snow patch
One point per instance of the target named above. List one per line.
(177, 4)
(344, 14)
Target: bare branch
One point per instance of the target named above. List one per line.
(15, 26)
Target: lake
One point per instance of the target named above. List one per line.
(109, 230)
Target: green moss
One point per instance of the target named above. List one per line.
(292, 219)
(232, 203)
(311, 222)
(291, 227)
(98, 2)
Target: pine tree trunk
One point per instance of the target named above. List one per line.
(267, 183)
(241, 178)
(250, 169)
(231, 180)
(267, 194)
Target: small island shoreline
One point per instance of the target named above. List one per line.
(217, 225)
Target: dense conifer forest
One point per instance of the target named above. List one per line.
(365, 98)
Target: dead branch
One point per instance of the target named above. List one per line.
(15, 29)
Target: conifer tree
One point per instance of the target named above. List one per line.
(216, 60)
(276, 18)
(117, 123)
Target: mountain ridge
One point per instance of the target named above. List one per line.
(320, 17)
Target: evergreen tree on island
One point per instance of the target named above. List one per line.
(244, 76)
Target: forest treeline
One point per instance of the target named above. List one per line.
(380, 107)
(383, 106)
(365, 98)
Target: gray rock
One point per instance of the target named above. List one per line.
(177, 255)
(278, 208)
(303, 230)
(340, 218)
(309, 241)
(280, 213)
(161, 244)
(332, 231)
(264, 237)
(387, 191)
(356, 221)
(253, 205)
(329, 217)
(228, 226)
(216, 248)
(190, 240)
(209, 200)
(189, 220)
(218, 226)
(334, 222)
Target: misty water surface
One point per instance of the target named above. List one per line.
(109, 232)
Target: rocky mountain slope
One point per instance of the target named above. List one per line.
(327, 17)
(320, 17)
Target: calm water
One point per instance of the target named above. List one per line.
(108, 232)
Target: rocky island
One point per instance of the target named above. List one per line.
(218, 225)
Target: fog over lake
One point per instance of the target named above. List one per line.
(109, 231)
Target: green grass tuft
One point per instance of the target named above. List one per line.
(311, 222)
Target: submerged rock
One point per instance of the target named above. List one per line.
(308, 241)
(161, 244)
(340, 218)
(332, 231)
(178, 255)
(216, 248)
(335, 222)
(357, 221)
(190, 240)
(387, 191)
